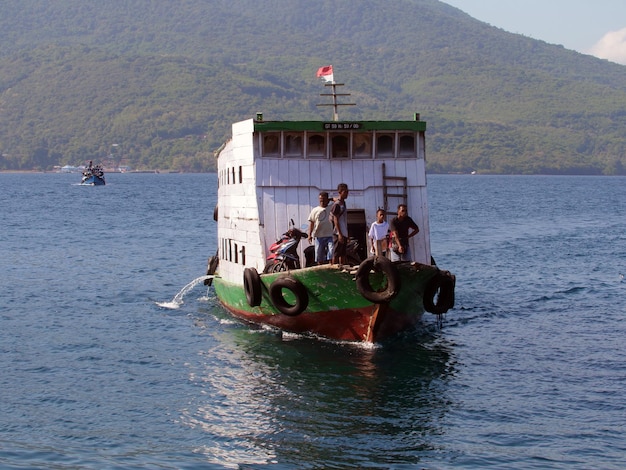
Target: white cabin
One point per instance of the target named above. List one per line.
(271, 172)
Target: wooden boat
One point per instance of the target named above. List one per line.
(270, 173)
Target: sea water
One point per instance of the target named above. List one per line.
(113, 353)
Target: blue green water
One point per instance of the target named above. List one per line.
(528, 371)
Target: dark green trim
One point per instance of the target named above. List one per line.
(321, 126)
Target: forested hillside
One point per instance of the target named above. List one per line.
(157, 84)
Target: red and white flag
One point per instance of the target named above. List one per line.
(326, 73)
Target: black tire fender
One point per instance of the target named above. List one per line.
(215, 213)
(382, 265)
(297, 289)
(212, 264)
(252, 286)
(441, 288)
(211, 268)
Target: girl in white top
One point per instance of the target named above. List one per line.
(378, 234)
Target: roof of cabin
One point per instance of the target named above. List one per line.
(321, 126)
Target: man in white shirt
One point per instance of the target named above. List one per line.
(321, 229)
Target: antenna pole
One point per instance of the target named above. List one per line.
(335, 109)
(334, 94)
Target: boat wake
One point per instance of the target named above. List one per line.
(177, 301)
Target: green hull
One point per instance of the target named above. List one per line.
(335, 305)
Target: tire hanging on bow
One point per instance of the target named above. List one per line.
(439, 293)
(252, 286)
(378, 264)
(298, 291)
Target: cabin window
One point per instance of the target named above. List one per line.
(384, 146)
(407, 146)
(339, 146)
(271, 144)
(232, 251)
(362, 145)
(316, 146)
(293, 145)
(240, 175)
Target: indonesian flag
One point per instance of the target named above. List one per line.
(326, 73)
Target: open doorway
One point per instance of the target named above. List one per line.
(357, 229)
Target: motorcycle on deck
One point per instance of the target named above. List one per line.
(284, 252)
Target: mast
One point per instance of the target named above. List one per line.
(334, 94)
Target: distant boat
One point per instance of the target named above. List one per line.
(93, 176)
(272, 171)
(69, 169)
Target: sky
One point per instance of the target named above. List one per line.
(595, 27)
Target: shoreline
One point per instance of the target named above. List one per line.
(54, 172)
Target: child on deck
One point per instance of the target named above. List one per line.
(378, 234)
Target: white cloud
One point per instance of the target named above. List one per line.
(612, 47)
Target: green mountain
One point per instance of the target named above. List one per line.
(156, 84)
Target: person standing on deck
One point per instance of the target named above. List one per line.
(400, 226)
(321, 229)
(378, 234)
(339, 215)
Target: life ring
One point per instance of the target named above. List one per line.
(296, 288)
(441, 287)
(252, 286)
(378, 264)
